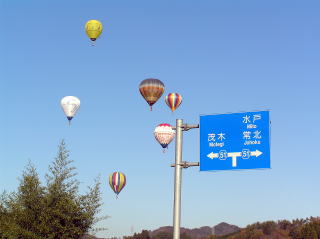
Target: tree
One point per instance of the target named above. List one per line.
(310, 230)
(21, 210)
(212, 237)
(162, 235)
(143, 235)
(184, 235)
(53, 211)
(268, 227)
(284, 224)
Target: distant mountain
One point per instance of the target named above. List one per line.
(202, 232)
(224, 228)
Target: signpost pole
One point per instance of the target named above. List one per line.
(177, 180)
(215, 133)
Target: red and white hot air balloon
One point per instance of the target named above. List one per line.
(173, 100)
(164, 134)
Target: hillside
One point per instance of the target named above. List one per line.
(197, 233)
(308, 228)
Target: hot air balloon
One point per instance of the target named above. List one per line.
(93, 29)
(173, 100)
(151, 89)
(117, 181)
(164, 134)
(70, 106)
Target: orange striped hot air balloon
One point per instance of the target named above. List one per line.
(173, 100)
(151, 89)
(117, 181)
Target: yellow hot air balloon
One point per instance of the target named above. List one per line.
(93, 29)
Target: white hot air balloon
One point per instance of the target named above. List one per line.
(70, 106)
(164, 134)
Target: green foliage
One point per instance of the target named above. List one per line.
(53, 211)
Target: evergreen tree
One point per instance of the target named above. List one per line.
(53, 211)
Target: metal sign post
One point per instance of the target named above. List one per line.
(180, 127)
(227, 141)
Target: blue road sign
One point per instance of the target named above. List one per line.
(235, 141)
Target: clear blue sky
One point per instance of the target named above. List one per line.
(222, 56)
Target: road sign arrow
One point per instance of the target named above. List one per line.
(234, 158)
(256, 153)
(212, 155)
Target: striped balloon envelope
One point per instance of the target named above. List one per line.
(173, 100)
(117, 181)
(151, 89)
(164, 134)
